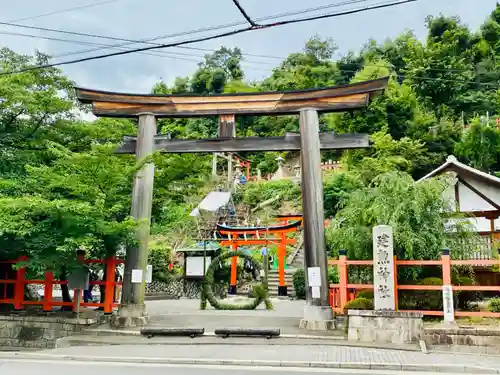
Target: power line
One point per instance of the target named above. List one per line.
(244, 54)
(159, 53)
(195, 31)
(217, 36)
(172, 55)
(244, 13)
(65, 10)
(196, 49)
(127, 41)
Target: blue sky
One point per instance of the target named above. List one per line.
(136, 19)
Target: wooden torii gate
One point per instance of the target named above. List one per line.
(306, 103)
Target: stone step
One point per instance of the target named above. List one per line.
(275, 287)
(276, 282)
(277, 277)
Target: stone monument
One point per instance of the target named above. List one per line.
(384, 324)
(384, 295)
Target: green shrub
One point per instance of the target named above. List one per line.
(359, 304)
(366, 293)
(430, 299)
(422, 299)
(464, 299)
(494, 305)
(333, 275)
(299, 283)
(160, 257)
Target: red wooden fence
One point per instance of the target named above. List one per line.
(47, 303)
(344, 292)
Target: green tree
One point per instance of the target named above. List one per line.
(33, 104)
(414, 210)
(441, 71)
(480, 147)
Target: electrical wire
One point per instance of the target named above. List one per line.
(159, 53)
(72, 41)
(65, 10)
(244, 13)
(190, 32)
(174, 55)
(211, 37)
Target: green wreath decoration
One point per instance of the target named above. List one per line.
(261, 294)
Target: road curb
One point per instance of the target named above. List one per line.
(462, 369)
(113, 332)
(284, 339)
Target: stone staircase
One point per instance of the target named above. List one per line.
(274, 282)
(298, 259)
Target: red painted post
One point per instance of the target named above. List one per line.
(234, 268)
(343, 279)
(19, 286)
(446, 267)
(47, 291)
(395, 283)
(282, 288)
(109, 287)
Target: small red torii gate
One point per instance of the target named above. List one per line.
(288, 224)
(234, 241)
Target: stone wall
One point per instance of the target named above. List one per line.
(385, 327)
(464, 339)
(39, 331)
(180, 288)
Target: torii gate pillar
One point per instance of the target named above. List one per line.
(132, 310)
(317, 312)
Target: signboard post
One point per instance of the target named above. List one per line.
(149, 274)
(448, 309)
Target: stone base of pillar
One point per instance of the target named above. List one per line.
(282, 291)
(318, 318)
(232, 290)
(129, 316)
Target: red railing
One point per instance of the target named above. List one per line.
(343, 292)
(47, 303)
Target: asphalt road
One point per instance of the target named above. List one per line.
(45, 367)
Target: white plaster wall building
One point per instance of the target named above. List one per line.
(476, 194)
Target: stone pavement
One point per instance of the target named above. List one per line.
(282, 308)
(186, 313)
(279, 355)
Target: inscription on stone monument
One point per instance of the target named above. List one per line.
(383, 268)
